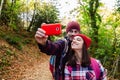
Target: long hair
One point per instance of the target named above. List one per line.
(85, 57)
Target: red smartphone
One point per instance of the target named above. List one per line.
(52, 29)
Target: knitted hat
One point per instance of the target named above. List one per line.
(86, 39)
(72, 25)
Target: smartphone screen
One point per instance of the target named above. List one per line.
(52, 29)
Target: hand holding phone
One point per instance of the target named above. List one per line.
(52, 29)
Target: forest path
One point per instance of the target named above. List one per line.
(26, 64)
(39, 71)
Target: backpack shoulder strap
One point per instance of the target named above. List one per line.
(95, 67)
(64, 52)
(65, 47)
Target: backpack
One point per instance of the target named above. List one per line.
(95, 67)
(53, 59)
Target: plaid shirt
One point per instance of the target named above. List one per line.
(83, 73)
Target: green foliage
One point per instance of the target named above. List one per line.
(4, 62)
(108, 45)
(10, 15)
(14, 40)
(9, 52)
(45, 13)
(5, 57)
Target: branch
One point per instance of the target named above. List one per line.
(114, 69)
(116, 66)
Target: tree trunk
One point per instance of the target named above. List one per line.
(11, 12)
(3, 13)
(1, 6)
(94, 4)
(31, 23)
(4, 6)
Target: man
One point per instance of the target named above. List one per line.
(56, 48)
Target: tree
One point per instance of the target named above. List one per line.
(105, 34)
(114, 52)
(91, 19)
(33, 17)
(10, 14)
(94, 17)
(45, 13)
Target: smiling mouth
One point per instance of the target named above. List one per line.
(75, 44)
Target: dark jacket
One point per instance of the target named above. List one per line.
(56, 48)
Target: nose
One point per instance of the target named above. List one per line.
(73, 34)
(73, 40)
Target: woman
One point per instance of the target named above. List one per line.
(80, 66)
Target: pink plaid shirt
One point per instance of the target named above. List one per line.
(83, 73)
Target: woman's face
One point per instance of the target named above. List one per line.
(77, 43)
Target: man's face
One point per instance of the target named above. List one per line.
(71, 33)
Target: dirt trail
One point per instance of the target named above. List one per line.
(40, 70)
(28, 64)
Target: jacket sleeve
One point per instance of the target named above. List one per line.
(52, 48)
